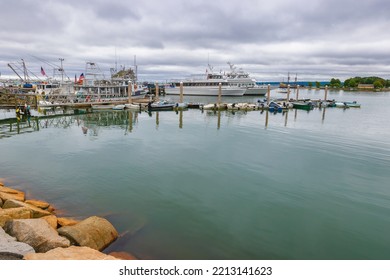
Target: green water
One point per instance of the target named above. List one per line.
(203, 185)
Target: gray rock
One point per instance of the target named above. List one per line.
(10, 256)
(94, 232)
(37, 233)
(10, 248)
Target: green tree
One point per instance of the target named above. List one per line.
(318, 84)
(353, 83)
(310, 84)
(378, 84)
(335, 83)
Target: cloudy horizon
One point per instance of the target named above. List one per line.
(315, 40)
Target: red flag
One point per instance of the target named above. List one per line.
(81, 79)
(43, 72)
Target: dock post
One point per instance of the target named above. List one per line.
(130, 91)
(326, 93)
(268, 93)
(157, 92)
(288, 93)
(219, 93)
(181, 92)
(219, 119)
(297, 92)
(181, 119)
(130, 121)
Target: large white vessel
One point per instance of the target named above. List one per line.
(241, 78)
(208, 86)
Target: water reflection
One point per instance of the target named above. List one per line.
(92, 123)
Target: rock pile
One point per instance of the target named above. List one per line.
(29, 229)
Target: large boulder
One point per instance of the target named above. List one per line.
(14, 213)
(10, 247)
(51, 220)
(37, 233)
(62, 222)
(36, 212)
(8, 193)
(70, 253)
(94, 232)
(38, 203)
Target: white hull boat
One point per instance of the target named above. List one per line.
(206, 90)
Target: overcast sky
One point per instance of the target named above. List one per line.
(315, 39)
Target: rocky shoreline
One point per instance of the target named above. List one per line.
(30, 230)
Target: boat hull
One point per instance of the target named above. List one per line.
(303, 106)
(256, 91)
(206, 91)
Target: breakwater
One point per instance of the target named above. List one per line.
(30, 230)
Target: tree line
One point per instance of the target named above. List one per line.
(377, 82)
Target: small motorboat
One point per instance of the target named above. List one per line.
(214, 106)
(182, 105)
(303, 105)
(160, 106)
(136, 106)
(119, 107)
(102, 107)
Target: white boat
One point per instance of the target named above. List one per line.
(160, 105)
(181, 105)
(119, 107)
(136, 106)
(214, 106)
(206, 86)
(102, 107)
(241, 78)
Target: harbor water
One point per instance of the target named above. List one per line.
(217, 185)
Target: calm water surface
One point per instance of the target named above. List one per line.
(204, 185)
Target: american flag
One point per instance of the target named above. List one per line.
(43, 72)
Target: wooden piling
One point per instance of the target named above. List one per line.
(219, 93)
(181, 119)
(181, 92)
(157, 92)
(268, 93)
(326, 93)
(297, 93)
(288, 93)
(130, 91)
(219, 120)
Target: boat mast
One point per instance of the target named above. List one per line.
(17, 74)
(135, 68)
(62, 70)
(24, 71)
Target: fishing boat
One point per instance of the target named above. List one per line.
(303, 105)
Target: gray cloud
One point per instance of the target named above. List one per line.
(173, 38)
